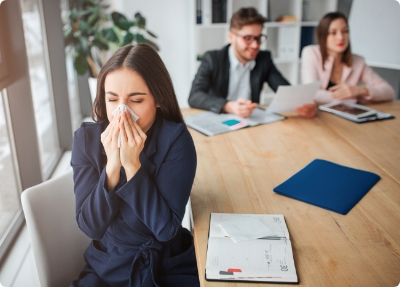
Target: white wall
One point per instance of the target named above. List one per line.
(374, 32)
(169, 20)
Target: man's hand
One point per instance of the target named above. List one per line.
(242, 108)
(307, 111)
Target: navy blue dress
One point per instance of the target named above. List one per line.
(136, 228)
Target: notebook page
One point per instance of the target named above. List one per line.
(269, 258)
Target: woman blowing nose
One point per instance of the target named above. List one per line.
(133, 173)
(340, 71)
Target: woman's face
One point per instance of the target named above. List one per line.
(338, 37)
(127, 87)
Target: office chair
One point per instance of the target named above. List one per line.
(57, 242)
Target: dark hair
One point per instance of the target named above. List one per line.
(145, 61)
(246, 16)
(322, 34)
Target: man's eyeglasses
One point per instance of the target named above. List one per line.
(248, 39)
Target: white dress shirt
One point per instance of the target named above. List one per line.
(239, 78)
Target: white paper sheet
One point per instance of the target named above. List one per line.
(272, 258)
(288, 98)
(246, 228)
(275, 222)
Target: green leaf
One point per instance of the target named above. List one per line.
(85, 12)
(74, 14)
(140, 38)
(140, 20)
(151, 34)
(81, 64)
(93, 18)
(110, 35)
(100, 43)
(128, 38)
(94, 9)
(83, 46)
(68, 32)
(93, 29)
(83, 26)
(121, 21)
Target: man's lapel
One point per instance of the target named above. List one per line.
(225, 74)
(254, 77)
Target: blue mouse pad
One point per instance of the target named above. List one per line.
(329, 185)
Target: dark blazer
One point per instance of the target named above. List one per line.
(136, 228)
(210, 85)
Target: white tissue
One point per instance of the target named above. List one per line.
(121, 108)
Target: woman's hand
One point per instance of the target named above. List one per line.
(109, 139)
(344, 91)
(307, 111)
(132, 143)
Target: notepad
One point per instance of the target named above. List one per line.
(267, 259)
(212, 124)
(329, 185)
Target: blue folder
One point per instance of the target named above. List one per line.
(329, 185)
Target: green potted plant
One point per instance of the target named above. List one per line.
(95, 34)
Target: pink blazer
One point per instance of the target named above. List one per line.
(311, 71)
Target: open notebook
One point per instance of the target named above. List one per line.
(267, 259)
(212, 124)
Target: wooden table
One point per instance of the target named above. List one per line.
(379, 141)
(237, 171)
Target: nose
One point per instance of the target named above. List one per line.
(123, 100)
(340, 35)
(254, 44)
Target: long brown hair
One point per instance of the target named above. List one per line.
(322, 35)
(145, 61)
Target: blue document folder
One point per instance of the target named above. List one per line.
(329, 185)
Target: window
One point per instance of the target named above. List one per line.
(35, 118)
(73, 93)
(42, 96)
(10, 206)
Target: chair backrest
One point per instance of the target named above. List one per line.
(57, 242)
(187, 221)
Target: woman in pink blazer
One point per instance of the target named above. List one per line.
(339, 71)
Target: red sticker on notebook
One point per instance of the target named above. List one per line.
(234, 270)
